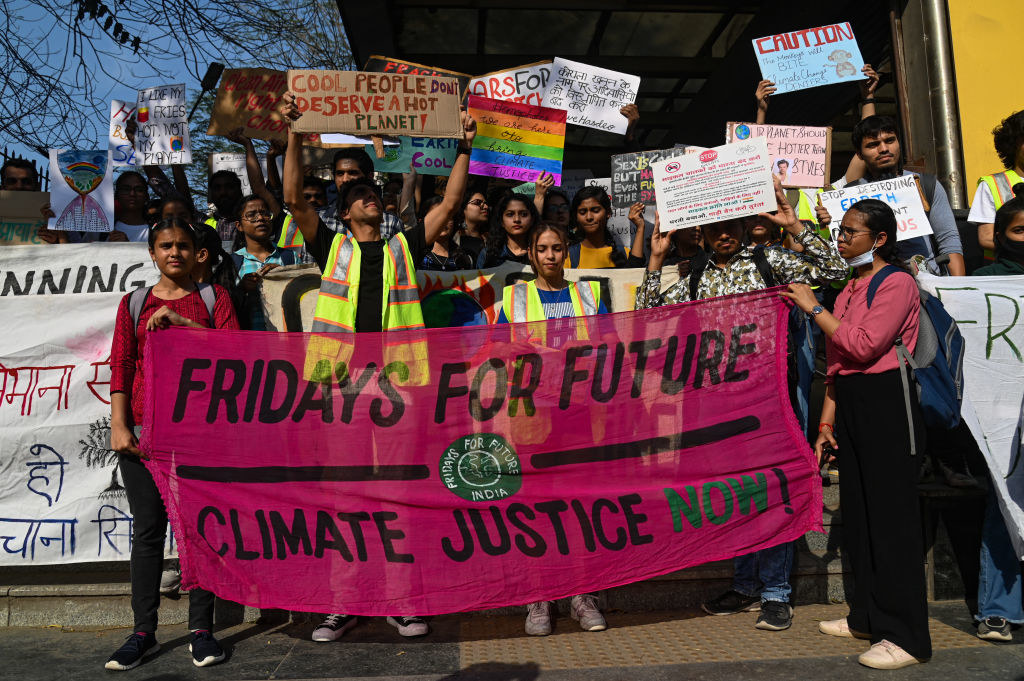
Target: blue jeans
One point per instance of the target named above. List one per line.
(769, 569)
(999, 580)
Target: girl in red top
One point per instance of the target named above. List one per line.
(865, 418)
(175, 300)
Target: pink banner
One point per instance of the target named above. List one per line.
(461, 469)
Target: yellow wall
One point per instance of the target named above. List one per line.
(986, 54)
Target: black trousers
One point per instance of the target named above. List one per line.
(878, 500)
(149, 532)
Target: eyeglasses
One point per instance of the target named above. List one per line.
(846, 234)
(133, 189)
(477, 202)
(252, 215)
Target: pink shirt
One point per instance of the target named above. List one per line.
(863, 343)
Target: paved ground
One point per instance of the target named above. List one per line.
(670, 645)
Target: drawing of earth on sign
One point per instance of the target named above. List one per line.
(84, 172)
(449, 307)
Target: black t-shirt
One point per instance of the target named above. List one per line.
(371, 270)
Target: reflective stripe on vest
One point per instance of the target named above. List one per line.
(339, 288)
(1000, 186)
(291, 236)
(525, 306)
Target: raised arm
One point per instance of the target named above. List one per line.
(435, 220)
(253, 170)
(765, 89)
(544, 182)
(407, 202)
(304, 215)
(857, 168)
(277, 148)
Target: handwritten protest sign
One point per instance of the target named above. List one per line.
(427, 155)
(121, 151)
(731, 181)
(524, 84)
(81, 190)
(379, 64)
(632, 178)
(360, 103)
(810, 57)
(592, 96)
(20, 217)
(516, 141)
(162, 137)
(901, 193)
(801, 155)
(248, 99)
(455, 480)
(235, 162)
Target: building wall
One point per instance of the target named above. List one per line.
(986, 42)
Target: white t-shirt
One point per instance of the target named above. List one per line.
(983, 207)
(133, 232)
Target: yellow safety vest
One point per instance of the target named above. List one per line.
(339, 288)
(291, 235)
(521, 301)
(1000, 185)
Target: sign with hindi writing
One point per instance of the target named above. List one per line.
(360, 103)
(731, 181)
(524, 84)
(901, 193)
(429, 156)
(162, 137)
(494, 457)
(81, 190)
(592, 96)
(122, 153)
(380, 64)
(810, 57)
(516, 141)
(801, 155)
(21, 217)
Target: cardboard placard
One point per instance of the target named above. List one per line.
(361, 103)
(591, 95)
(81, 190)
(801, 155)
(723, 183)
(20, 217)
(516, 141)
(428, 156)
(121, 151)
(162, 137)
(379, 64)
(901, 193)
(810, 57)
(524, 84)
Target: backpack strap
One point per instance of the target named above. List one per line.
(237, 259)
(928, 182)
(763, 268)
(135, 303)
(209, 295)
(880, 276)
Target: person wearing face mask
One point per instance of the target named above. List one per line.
(870, 421)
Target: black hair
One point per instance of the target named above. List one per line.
(345, 189)
(160, 203)
(879, 219)
(357, 154)
(1004, 216)
(130, 173)
(172, 223)
(539, 229)
(313, 181)
(872, 126)
(1008, 136)
(496, 235)
(22, 163)
(237, 213)
(222, 266)
(618, 258)
(430, 202)
(230, 175)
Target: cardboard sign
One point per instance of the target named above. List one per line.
(428, 156)
(235, 162)
(810, 57)
(248, 99)
(632, 179)
(592, 96)
(81, 190)
(379, 64)
(121, 151)
(524, 84)
(731, 181)
(902, 195)
(360, 103)
(20, 217)
(801, 155)
(516, 141)
(163, 137)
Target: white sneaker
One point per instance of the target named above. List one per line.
(333, 627)
(538, 618)
(887, 655)
(583, 609)
(409, 626)
(840, 628)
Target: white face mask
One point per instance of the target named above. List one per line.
(864, 258)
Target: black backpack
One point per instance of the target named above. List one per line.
(139, 295)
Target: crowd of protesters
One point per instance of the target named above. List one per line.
(212, 264)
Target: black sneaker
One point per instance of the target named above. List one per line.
(994, 629)
(333, 626)
(205, 649)
(136, 648)
(730, 603)
(775, 616)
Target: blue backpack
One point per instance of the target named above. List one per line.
(937, 363)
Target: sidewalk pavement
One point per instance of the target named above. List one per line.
(657, 646)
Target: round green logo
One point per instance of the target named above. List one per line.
(481, 467)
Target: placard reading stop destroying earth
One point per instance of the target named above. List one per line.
(902, 195)
(726, 182)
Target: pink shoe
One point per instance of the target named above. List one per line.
(887, 655)
(840, 628)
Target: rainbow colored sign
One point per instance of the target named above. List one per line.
(516, 141)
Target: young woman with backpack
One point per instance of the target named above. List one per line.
(175, 300)
(872, 421)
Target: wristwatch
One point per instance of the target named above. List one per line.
(817, 310)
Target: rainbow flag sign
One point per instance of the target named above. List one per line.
(516, 141)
